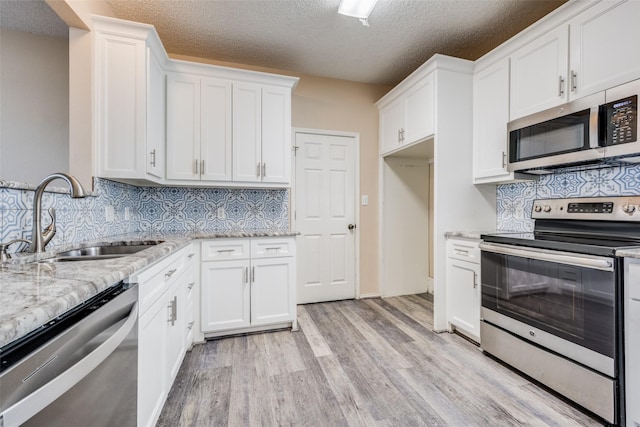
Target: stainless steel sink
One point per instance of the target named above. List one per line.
(101, 252)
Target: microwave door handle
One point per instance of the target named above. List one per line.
(596, 137)
(567, 258)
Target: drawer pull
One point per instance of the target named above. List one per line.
(190, 256)
(273, 249)
(173, 310)
(190, 325)
(191, 285)
(170, 273)
(225, 251)
(461, 251)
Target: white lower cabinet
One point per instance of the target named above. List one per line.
(463, 287)
(162, 329)
(247, 285)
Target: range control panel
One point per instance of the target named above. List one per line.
(623, 208)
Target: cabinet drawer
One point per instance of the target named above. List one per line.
(464, 250)
(154, 281)
(271, 248)
(225, 250)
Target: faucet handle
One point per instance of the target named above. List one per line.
(4, 255)
(50, 230)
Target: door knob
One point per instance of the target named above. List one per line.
(351, 226)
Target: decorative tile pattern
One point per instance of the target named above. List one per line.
(149, 208)
(514, 201)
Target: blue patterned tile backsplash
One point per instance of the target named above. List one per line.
(145, 209)
(514, 201)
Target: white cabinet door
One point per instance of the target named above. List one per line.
(490, 118)
(271, 291)
(463, 279)
(152, 350)
(539, 73)
(156, 104)
(176, 330)
(225, 295)
(183, 126)
(420, 111)
(604, 50)
(276, 134)
(120, 106)
(392, 124)
(247, 132)
(216, 132)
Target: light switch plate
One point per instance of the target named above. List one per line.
(365, 200)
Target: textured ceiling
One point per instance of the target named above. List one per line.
(308, 36)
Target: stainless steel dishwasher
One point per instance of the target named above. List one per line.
(80, 369)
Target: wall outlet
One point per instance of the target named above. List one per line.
(127, 214)
(220, 213)
(109, 213)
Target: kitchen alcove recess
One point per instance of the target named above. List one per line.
(142, 105)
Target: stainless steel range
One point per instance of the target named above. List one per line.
(552, 299)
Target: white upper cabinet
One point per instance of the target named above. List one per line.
(539, 74)
(129, 101)
(276, 134)
(408, 118)
(198, 128)
(247, 132)
(490, 118)
(604, 47)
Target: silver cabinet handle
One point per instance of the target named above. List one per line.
(195, 164)
(190, 256)
(475, 280)
(170, 273)
(202, 167)
(560, 86)
(258, 170)
(225, 251)
(190, 325)
(399, 136)
(574, 81)
(153, 157)
(461, 251)
(264, 170)
(191, 285)
(173, 310)
(246, 275)
(253, 274)
(504, 159)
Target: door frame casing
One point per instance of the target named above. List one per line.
(292, 195)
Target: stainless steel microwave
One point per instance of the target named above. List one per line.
(589, 130)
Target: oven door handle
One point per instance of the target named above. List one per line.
(568, 258)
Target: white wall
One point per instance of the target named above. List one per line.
(34, 106)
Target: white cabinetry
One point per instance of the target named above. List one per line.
(490, 118)
(198, 128)
(410, 117)
(247, 285)
(261, 134)
(632, 340)
(592, 52)
(463, 286)
(539, 73)
(129, 100)
(163, 329)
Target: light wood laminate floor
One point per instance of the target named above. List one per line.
(372, 362)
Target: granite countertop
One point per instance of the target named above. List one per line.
(467, 234)
(33, 293)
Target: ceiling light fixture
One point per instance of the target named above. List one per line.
(357, 9)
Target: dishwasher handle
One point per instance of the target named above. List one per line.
(35, 402)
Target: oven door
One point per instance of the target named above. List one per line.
(562, 301)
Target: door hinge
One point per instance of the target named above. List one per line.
(295, 150)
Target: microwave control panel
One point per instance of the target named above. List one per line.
(622, 121)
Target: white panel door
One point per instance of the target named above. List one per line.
(215, 140)
(324, 208)
(539, 74)
(225, 295)
(247, 132)
(183, 126)
(270, 291)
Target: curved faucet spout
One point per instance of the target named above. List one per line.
(77, 191)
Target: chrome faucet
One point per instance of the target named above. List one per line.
(40, 238)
